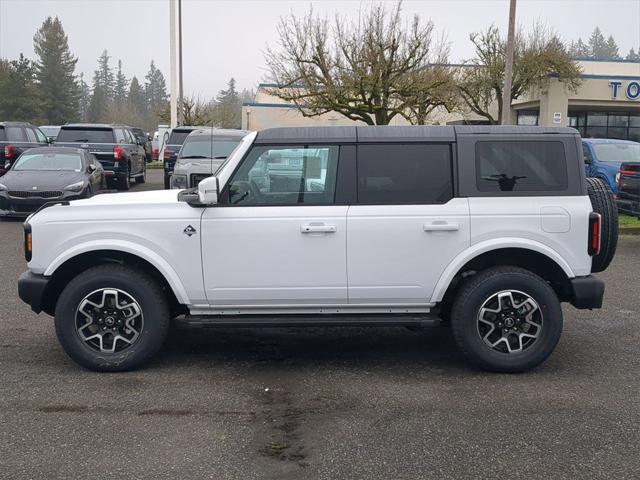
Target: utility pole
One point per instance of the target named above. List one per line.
(180, 90)
(508, 70)
(173, 80)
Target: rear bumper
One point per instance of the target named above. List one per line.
(629, 206)
(32, 288)
(587, 292)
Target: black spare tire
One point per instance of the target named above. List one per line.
(603, 203)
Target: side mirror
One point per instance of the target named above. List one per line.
(91, 168)
(208, 191)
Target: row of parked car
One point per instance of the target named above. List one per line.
(66, 163)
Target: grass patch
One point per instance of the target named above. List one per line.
(628, 221)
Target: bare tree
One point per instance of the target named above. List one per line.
(371, 70)
(538, 56)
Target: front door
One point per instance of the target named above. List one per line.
(406, 227)
(277, 239)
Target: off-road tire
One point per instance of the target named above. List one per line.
(466, 308)
(602, 202)
(153, 304)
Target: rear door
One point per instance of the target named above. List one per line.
(406, 227)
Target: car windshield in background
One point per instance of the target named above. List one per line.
(617, 152)
(201, 147)
(178, 137)
(86, 135)
(49, 161)
(50, 131)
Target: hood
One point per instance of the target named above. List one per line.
(41, 180)
(151, 197)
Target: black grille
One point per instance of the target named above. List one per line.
(35, 194)
(196, 178)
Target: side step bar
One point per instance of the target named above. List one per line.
(307, 321)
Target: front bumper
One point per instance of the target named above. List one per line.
(32, 289)
(587, 292)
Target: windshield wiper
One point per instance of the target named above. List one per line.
(194, 156)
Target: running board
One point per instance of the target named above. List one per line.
(308, 321)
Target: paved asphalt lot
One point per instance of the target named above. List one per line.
(331, 403)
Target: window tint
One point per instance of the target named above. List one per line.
(15, 134)
(85, 135)
(520, 166)
(31, 135)
(120, 137)
(397, 174)
(286, 176)
(41, 136)
(178, 137)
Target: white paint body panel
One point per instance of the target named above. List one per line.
(396, 253)
(261, 256)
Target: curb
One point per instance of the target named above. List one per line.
(629, 230)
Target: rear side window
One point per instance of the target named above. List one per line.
(526, 166)
(15, 134)
(178, 137)
(85, 135)
(404, 174)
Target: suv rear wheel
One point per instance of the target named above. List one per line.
(112, 318)
(142, 178)
(506, 319)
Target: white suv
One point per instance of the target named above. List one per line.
(485, 228)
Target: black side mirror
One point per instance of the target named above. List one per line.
(91, 168)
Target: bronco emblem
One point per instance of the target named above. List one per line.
(189, 230)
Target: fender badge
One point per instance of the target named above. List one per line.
(189, 230)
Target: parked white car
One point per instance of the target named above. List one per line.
(487, 228)
(202, 153)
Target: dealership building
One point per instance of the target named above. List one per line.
(606, 105)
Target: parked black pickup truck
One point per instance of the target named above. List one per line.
(115, 146)
(172, 147)
(15, 138)
(629, 188)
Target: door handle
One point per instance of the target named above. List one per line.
(317, 228)
(441, 227)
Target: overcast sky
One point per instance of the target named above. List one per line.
(222, 39)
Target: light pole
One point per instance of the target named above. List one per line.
(173, 80)
(180, 90)
(508, 70)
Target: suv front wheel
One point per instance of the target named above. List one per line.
(112, 318)
(506, 319)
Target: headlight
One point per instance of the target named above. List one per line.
(178, 181)
(76, 187)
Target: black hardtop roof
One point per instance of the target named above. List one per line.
(394, 133)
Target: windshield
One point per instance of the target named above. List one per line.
(49, 161)
(201, 147)
(86, 135)
(617, 152)
(50, 131)
(178, 137)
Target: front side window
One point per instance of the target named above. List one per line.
(404, 174)
(526, 166)
(41, 137)
(297, 175)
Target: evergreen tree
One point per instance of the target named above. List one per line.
(598, 45)
(84, 98)
(611, 51)
(136, 97)
(632, 55)
(103, 76)
(19, 99)
(228, 107)
(155, 88)
(579, 49)
(99, 105)
(54, 72)
(120, 89)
